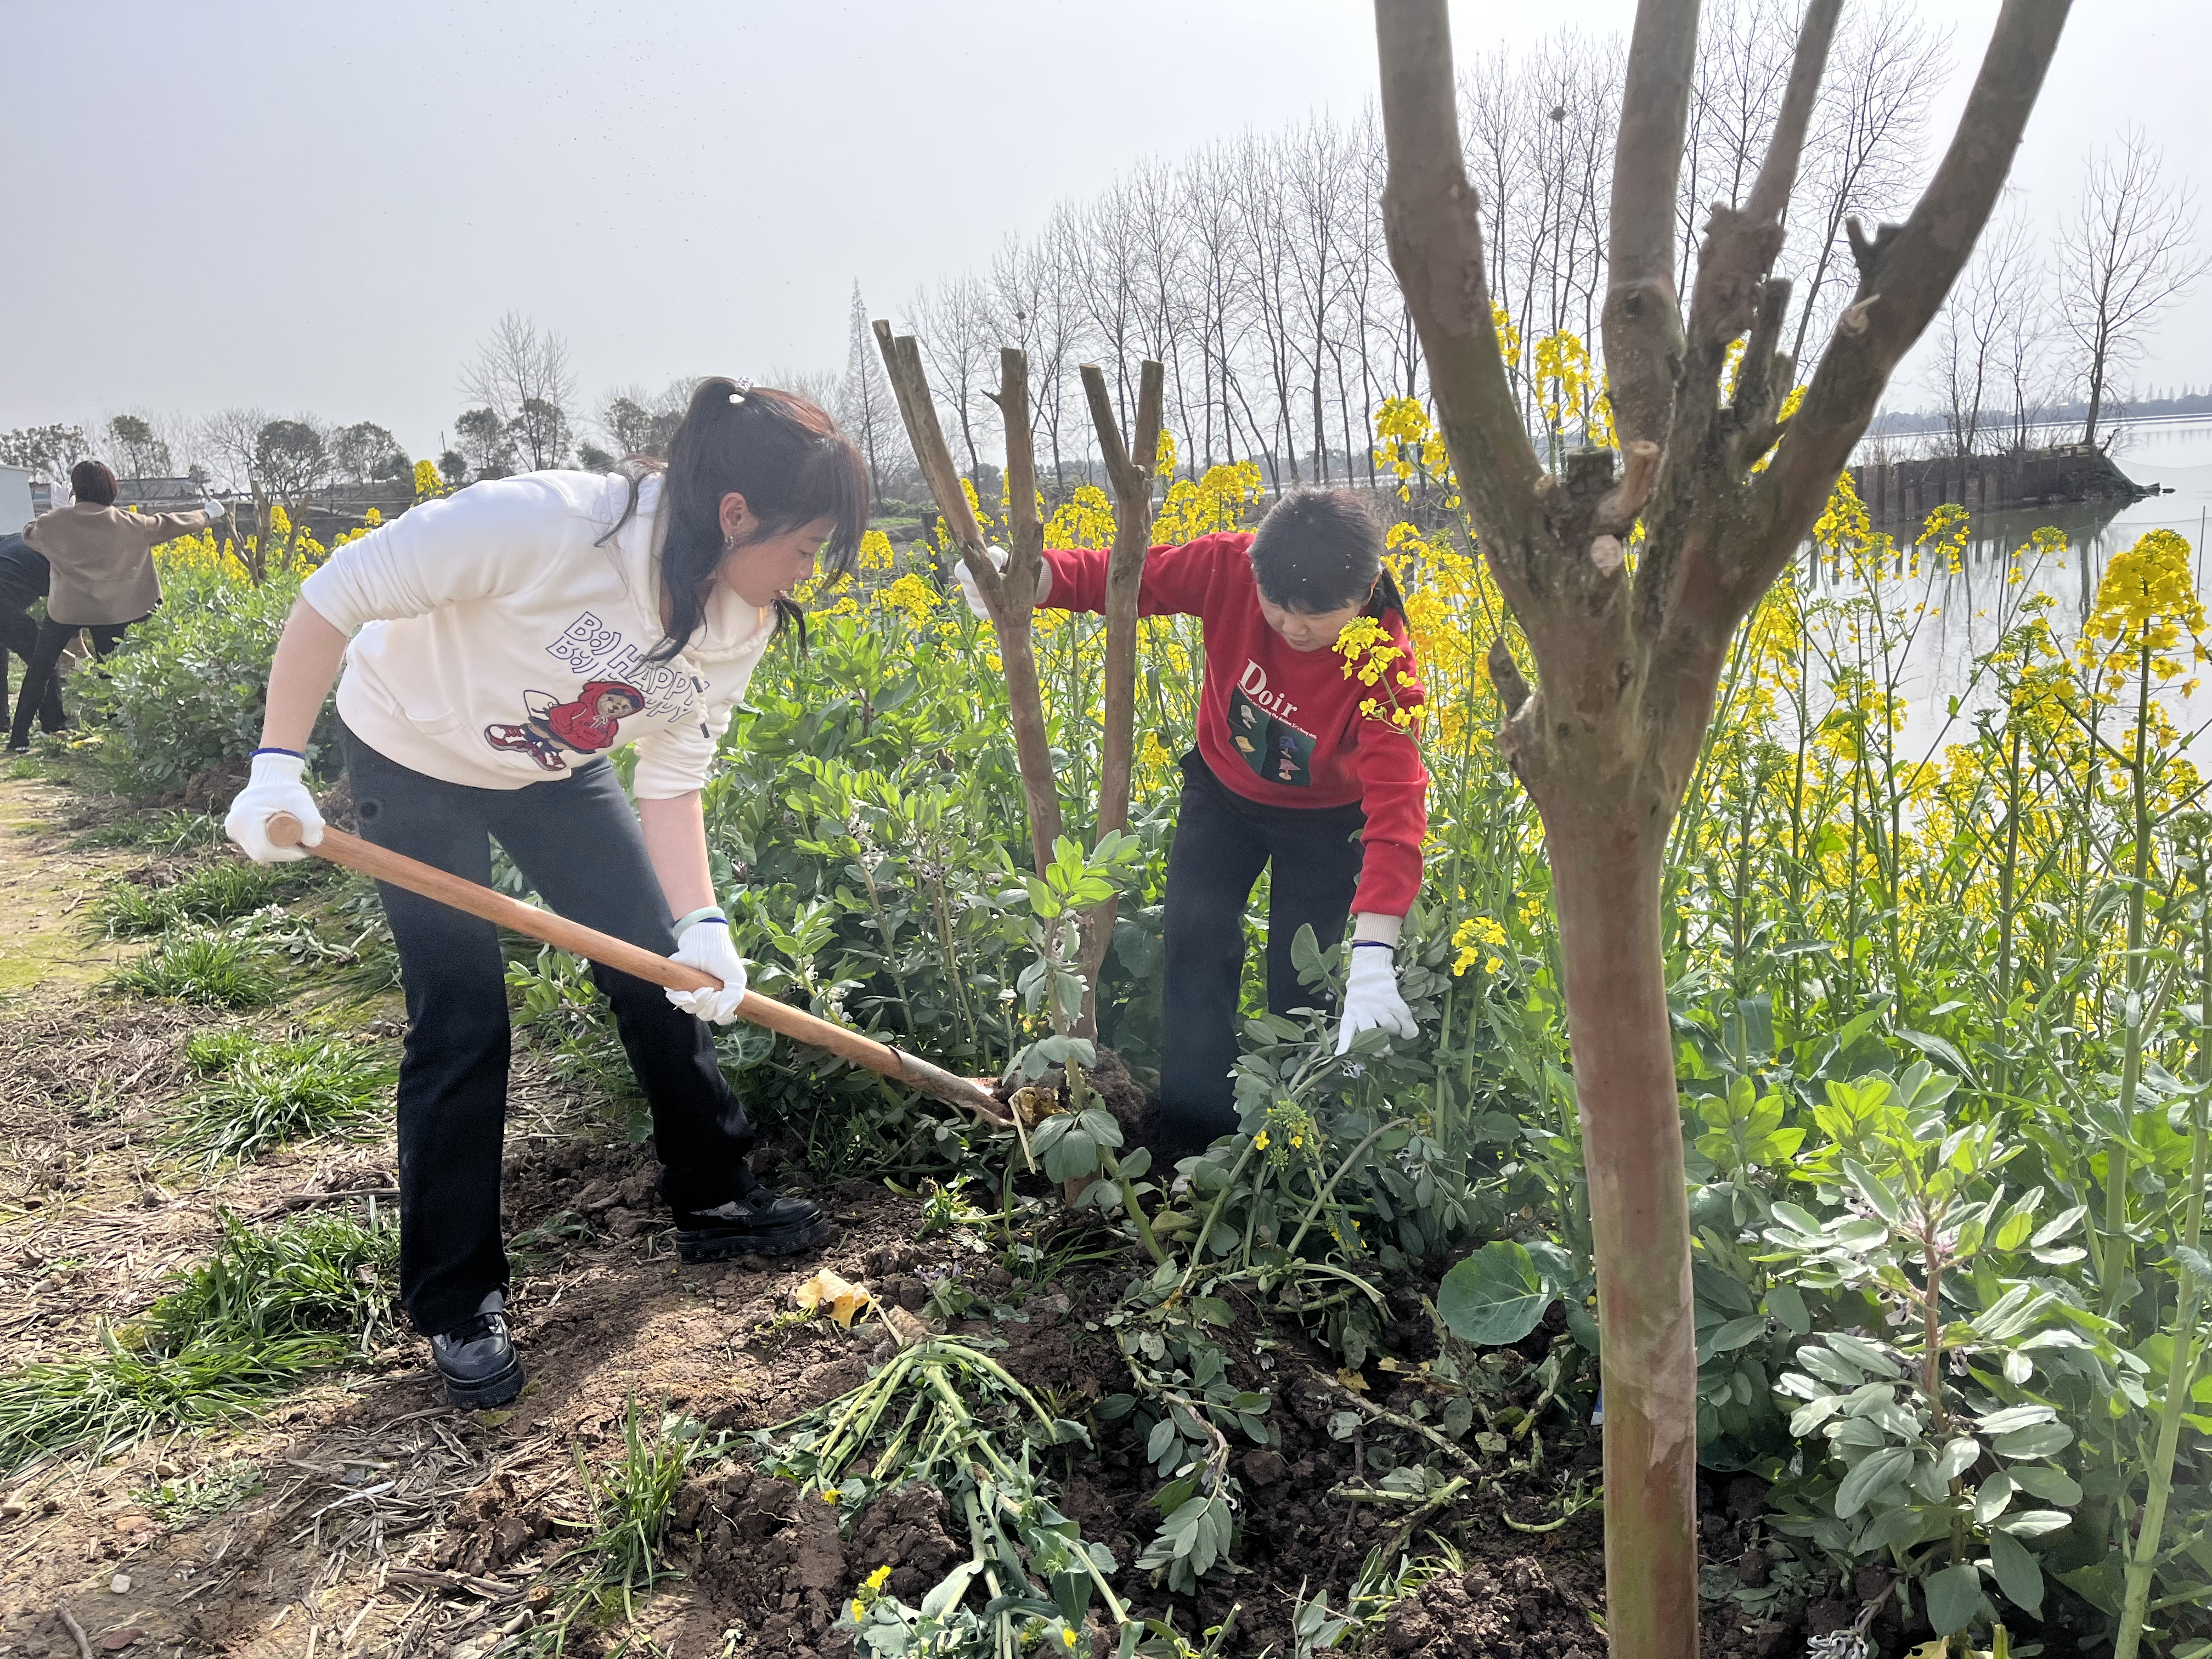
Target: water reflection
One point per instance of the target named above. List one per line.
(1967, 610)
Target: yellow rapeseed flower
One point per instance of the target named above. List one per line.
(2145, 603)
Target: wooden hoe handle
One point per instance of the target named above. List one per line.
(416, 877)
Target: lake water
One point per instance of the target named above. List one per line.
(1968, 609)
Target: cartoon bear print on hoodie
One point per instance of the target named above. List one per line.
(585, 727)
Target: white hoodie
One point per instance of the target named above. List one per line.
(495, 642)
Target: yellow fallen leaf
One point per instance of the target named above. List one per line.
(1352, 1380)
(836, 1296)
(1033, 1105)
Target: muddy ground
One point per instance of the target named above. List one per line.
(385, 1522)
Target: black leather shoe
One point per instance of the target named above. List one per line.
(477, 1359)
(762, 1223)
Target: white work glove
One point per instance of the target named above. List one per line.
(969, 590)
(216, 510)
(706, 945)
(274, 787)
(1371, 998)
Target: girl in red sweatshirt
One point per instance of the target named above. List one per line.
(1304, 759)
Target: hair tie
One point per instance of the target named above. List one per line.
(738, 397)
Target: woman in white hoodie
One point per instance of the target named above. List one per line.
(496, 646)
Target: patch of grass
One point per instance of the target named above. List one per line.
(619, 1560)
(324, 1274)
(266, 1308)
(261, 1095)
(167, 829)
(124, 1395)
(211, 896)
(180, 1503)
(201, 966)
(629, 1502)
(127, 910)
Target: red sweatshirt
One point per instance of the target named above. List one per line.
(1280, 726)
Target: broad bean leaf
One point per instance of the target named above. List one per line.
(1493, 1297)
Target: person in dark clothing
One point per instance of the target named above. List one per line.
(24, 576)
(1305, 764)
(102, 579)
(622, 611)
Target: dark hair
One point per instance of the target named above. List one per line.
(779, 450)
(1319, 550)
(91, 481)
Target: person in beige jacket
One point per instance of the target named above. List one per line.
(104, 580)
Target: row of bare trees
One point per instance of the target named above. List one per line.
(2025, 336)
(1256, 271)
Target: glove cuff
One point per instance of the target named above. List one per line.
(709, 913)
(277, 766)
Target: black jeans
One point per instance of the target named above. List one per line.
(577, 840)
(20, 634)
(1222, 842)
(40, 684)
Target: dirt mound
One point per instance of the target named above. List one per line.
(1513, 1610)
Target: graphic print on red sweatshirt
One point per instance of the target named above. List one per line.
(551, 730)
(1274, 749)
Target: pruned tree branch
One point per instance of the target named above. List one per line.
(1741, 244)
(1024, 529)
(1131, 476)
(1432, 220)
(910, 386)
(1777, 171)
(1009, 598)
(1616, 511)
(1643, 312)
(1909, 273)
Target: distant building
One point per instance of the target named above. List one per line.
(159, 495)
(18, 506)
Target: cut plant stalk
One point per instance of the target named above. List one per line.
(384, 864)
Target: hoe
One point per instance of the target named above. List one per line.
(800, 1026)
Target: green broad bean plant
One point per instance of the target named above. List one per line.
(1933, 1383)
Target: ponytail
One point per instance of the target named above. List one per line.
(1386, 599)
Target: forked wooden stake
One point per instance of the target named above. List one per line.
(383, 865)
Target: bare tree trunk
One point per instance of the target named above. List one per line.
(1129, 473)
(1011, 597)
(1630, 663)
(1606, 877)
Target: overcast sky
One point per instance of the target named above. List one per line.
(322, 207)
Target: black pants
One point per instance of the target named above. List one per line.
(20, 634)
(577, 840)
(40, 685)
(1222, 842)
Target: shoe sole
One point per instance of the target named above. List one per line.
(784, 1241)
(493, 1390)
